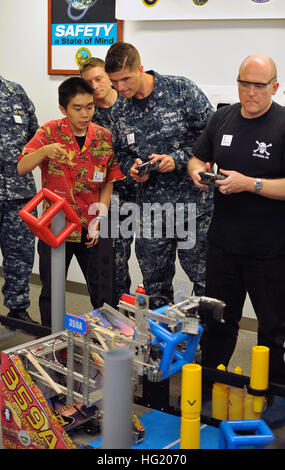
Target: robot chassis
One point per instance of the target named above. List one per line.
(161, 341)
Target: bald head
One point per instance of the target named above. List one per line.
(258, 63)
(257, 83)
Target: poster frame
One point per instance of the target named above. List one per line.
(69, 71)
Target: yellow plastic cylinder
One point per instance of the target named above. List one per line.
(236, 400)
(220, 399)
(248, 412)
(191, 391)
(191, 398)
(259, 374)
(190, 433)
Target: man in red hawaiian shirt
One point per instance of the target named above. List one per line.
(77, 162)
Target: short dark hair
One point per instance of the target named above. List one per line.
(72, 87)
(122, 55)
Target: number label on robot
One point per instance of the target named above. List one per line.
(76, 324)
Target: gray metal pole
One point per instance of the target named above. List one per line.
(117, 401)
(58, 276)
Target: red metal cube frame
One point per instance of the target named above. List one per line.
(41, 227)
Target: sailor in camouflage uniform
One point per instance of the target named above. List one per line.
(93, 70)
(160, 118)
(18, 124)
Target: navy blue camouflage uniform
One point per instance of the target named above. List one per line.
(175, 114)
(18, 123)
(123, 192)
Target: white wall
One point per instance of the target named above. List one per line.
(208, 52)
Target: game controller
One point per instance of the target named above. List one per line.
(147, 167)
(209, 178)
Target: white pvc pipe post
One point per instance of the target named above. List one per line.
(117, 401)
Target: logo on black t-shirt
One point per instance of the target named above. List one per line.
(261, 150)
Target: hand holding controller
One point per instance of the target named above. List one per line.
(147, 167)
(210, 178)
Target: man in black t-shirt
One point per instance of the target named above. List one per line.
(246, 239)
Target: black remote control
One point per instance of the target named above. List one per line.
(147, 167)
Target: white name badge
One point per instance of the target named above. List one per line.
(227, 140)
(131, 138)
(98, 176)
(17, 119)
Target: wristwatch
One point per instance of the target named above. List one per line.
(258, 185)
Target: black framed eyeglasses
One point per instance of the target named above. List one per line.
(258, 87)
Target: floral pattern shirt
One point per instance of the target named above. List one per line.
(79, 176)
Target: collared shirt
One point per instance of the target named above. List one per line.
(173, 118)
(102, 116)
(126, 189)
(18, 124)
(79, 176)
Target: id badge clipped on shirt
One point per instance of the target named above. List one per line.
(18, 119)
(98, 176)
